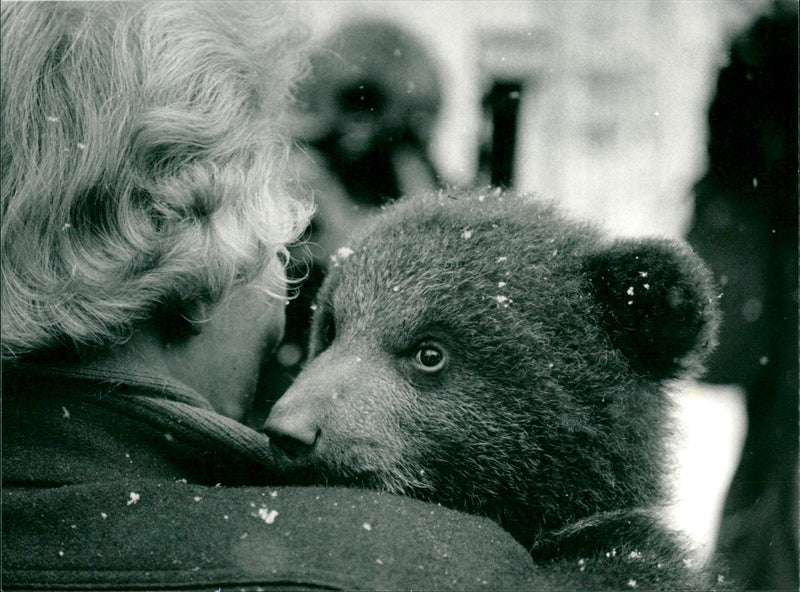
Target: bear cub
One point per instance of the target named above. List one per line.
(482, 351)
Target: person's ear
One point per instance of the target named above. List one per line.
(177, 321)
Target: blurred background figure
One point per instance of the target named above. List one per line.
(363, 121)
(368, 110)
(745, 226)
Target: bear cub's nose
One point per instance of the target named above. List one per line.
(295, 439)
(292, 447)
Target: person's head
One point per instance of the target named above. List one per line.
(373, 86)
(141, 158)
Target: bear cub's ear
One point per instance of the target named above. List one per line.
(656, 300)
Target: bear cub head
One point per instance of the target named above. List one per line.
(482, 351)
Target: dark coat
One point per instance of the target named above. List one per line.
(119, 482)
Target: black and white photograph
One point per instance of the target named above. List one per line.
(399, 295)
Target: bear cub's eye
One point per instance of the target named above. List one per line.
(429, 357)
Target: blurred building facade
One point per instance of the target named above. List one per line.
(612, 94)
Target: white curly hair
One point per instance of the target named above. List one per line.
(142, 162)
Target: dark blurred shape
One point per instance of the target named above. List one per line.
(746, 228)
(364, 120)
(501, 108)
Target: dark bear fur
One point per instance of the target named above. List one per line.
(546, 409)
